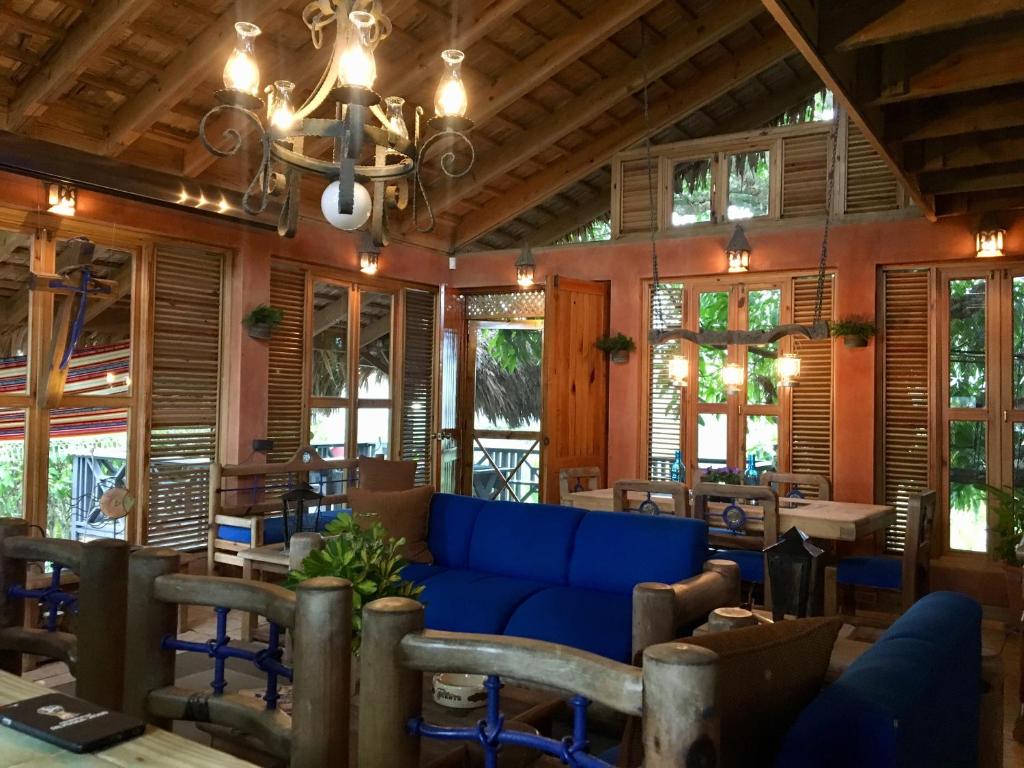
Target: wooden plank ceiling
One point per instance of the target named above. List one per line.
(554, 85)
(937, 86)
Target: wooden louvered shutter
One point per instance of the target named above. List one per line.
(904, 341)
(286, 364)
(870, 185)
(185, 394)
(804, 172)
(811, 415)
(633, 197)
(664, 399)
(418, 383)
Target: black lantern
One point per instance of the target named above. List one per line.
(794, 573)
(294, 503)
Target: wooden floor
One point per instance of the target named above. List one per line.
(56, 675)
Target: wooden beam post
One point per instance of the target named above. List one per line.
(911, 18)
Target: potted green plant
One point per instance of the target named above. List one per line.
(855, 331)
(617, 347)
(262, 320)
(1008, 542)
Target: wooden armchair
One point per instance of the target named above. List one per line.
(318, 615)
(573, 479)
(789, 484)
(678, 491)
(738, 529)
(95, 652)
(907, 574)
(397, 651)
(385, 474)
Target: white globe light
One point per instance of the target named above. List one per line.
(360, 207)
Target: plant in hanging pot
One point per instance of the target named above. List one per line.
(617, 347)
(855, 331)
(1007, 542)
(262, 320)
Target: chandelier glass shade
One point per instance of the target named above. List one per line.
(345, 131)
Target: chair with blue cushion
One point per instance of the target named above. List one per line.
(795, 485)
(906, 574)
(678, 491)
(742, 520)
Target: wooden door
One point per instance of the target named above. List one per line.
(574, 420)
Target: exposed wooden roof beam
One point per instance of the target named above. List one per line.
(599, 97)
(965, 152)
(961, 117)
(911, 18)
(701, 90)
(20, 54)
(584, 213)
(27, 24)
(92, 33)
(980, 179)
(967, 203)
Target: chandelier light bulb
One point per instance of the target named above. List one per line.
(356, 66)
(450, 98)
(280, 112)
(732, 377)
(241, 73)
(397, 129)
(348, 221)
(679, 370)
(789, 370)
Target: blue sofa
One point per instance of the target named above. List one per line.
(912, 699)
(567, 575)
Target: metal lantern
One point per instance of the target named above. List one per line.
(737, 252)
(525, 265)
(294, 510)
(795, 574)
(789, 370)
(733, 376)
(988, 242)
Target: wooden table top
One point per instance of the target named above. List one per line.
(156, 748)
(832, 520)
(269, 554)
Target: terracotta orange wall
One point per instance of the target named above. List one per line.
(856, 251)
(245, 366)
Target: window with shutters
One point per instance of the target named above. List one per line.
(418, 382)
(664, 400)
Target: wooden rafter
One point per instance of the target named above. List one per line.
(966, 152)
(602, 95)
(911, 18)
(980, 179)
(962, 116)
(703, 89)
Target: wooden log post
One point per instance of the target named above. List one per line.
(12, 573)
(147, 665)
(680, 721)
(654, 615)
(101, 622)
(322, 652)
(391, 694)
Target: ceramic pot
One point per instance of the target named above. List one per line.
(259, 330)
(855, 341)
(619, 356)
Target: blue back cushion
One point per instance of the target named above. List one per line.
(528, 541)
(615, 551)
(451, 523)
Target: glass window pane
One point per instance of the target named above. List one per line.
(712, 440)
(763, 311)
(763, 441)
(968, 504)
(12, 462)
(714, 316)
(507, 386)
(749, 185)
(88, 456)
(330, 340)
(1018, 456)
(1018, 342)
(14, 268)
(328, 428)
(375, 345)
(967, 379)
(373, 431)
(691, 192)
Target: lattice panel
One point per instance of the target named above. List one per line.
(870, 185)
(811, 415)
(518, 305)
(664, 398)
(905, 440)
(804, 173)
(418, 383)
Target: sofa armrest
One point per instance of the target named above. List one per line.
(660, 609)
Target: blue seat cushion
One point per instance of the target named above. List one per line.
(525, 541)
(614, 552)
(750, 561)
(420, 572)
(472, 601)
(877, 572)
(273, 528)
(450, 527)
(599, 622)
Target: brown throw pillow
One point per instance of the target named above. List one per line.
(386, 475)
(767, 675)
(403, 513)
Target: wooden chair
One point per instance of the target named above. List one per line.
(385, 474)
(397, 650)
(318, 617)
(788, 484)
(906, 574)
(575, 479)
(678, 491)
(95, 651)
(738, 529)
(242, 499)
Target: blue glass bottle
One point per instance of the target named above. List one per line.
(677, 472)
(751, 476)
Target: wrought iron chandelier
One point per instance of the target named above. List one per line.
(363, 124)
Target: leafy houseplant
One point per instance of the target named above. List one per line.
(726, 475)
(854, 330)
(262, 320)
(369, 558)
(617, 347)
(1007, 537)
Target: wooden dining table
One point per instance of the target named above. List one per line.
(156, 748)
(825, 520)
